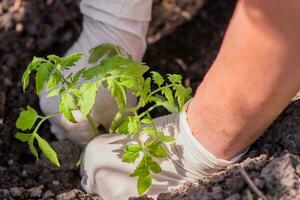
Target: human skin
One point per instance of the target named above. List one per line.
(254, 77)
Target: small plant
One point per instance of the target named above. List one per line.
(120, 74)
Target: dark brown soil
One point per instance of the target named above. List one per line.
(182, 39)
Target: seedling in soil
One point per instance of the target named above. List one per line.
(120, 74)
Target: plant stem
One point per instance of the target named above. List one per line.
(147, 111)
(115, 122)
(42, 120)
(159, 89)
(92, 124)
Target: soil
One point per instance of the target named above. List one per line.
(184, 38)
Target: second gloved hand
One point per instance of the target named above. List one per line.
(105, 108)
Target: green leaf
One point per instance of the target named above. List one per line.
(32, 66)
(23, 137)
(32, 148)
(42, 76)
(147, 86)
(167, 92)
(131, 153)
(154, 167)
(65, 62)
(156, 149)
(95, 71)
(76, 92)
(168, 139)
(180, 94)
(78, 75)
(144, 184)
(66, 105)
(54, 92)
(175, 78)
(55, 59)
(142, 168)
(147, 120)
(27, 119)
(88, 92)
(129, 125)
(134, 147)
(47, 150)
(103, 50)
(54, 79)
(151, 130)
(71, 59)
(157, 78)
(118, 92)
(167, 105)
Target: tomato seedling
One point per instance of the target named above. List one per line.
(120, 74)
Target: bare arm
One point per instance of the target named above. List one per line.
(253, 78)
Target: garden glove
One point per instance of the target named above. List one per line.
(104, 173)
(122, 22)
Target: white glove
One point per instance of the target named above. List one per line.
(106, 175)
(102, 24)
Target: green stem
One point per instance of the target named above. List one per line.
(115, 122)
(147, 111)
(92, 124)
(159, 89)
(42, 120)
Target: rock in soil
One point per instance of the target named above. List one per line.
(76, 194)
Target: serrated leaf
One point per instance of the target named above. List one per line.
(167, 92)
(95, 71)
(66, 105)
(180, 95)
(129, 125)
(75, 91)
(54, 92)
(77, 75)
(65, 62)
(118, 92)
(88, 92)
(47, 150)
(154, 167)
(168, 139)
(147, 86)
(175, 78)
(42, 76)
(157, 78)
(134, 147)
(156, 149)
(55, 59)
(103, 50)
(142, 168)
(54, 79)
(32, 148)
(146, 120)
(188, 93)
(23, 137)
(32, 66)
(167, 105)
(131, 153)
(27, 119)
(71, 59)
(144, 184)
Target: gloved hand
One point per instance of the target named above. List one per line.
(119, 22)
(105, 174)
